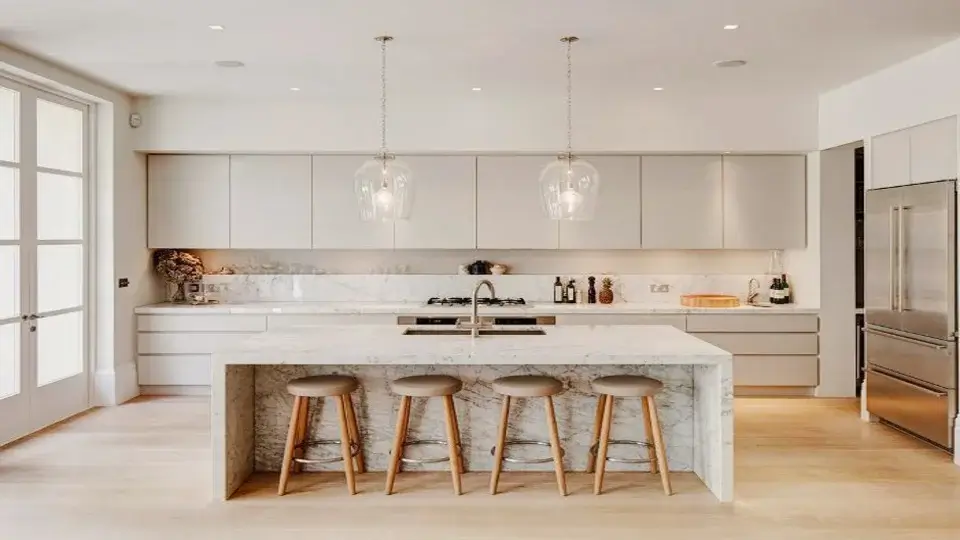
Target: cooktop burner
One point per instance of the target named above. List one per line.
(455, 301)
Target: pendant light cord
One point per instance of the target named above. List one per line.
(383, 94)
(569, 42)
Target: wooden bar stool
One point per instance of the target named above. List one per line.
(426, 386)
(322, 386)
(627, 386)
(527, 386)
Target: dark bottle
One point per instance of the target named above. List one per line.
(558, 291)
(785, 290)
(591, 291)
(776, 292)
(571, 292)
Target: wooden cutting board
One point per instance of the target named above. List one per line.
(709, 300)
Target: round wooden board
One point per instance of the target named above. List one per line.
(709, 300)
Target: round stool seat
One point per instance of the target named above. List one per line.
(426, 386)
(322, 386)
(627, 386)
(527, 386)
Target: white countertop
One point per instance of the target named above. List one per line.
(386, 344)
(418, 308)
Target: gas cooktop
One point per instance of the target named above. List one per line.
(456, 301)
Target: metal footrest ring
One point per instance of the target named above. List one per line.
(422, 442)
(641, 444)
(493, 451)
(354, 450)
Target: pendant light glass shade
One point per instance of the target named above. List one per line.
(569, 187)
(384, 189)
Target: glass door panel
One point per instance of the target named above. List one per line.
(60, 347)
(59, 207)
(9, 125)
(9, 360)
(60, 280)
(9, 203)
(60, 134)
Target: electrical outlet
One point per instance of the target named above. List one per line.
(211, 288)
(123, 282)
(660, 287)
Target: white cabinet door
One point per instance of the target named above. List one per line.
(270, 203)
(443, 215)
(890, 160)
(336, 213)
(764, 202)
(616, 223)
(509, 214)
(188, 201)
(933, 151)
(682, 199)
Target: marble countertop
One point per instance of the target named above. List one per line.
(386, 345)
(418, 308)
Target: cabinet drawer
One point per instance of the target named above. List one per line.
(752, 323)
(676, 321)
(149, 343)
(776, 370)
(770, 344)
(201, 323)
(186, 370)
(291, 321)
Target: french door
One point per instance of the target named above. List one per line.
(44, 368)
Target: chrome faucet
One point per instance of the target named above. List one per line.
(474, 325)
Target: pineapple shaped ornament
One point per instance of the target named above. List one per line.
(605, 296)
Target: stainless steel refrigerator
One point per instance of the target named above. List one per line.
(910, 273)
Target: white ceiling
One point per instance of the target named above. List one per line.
(326, 47)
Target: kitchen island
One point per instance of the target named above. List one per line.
(250, 406)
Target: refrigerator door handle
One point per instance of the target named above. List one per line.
(908, 340)
(893, 258)
(901, 254)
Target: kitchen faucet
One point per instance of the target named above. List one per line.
(474, 324)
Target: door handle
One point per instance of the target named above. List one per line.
(908, 340)
(901, 251)
(893, 258)
(917, 387)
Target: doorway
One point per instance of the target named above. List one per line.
(44, 278)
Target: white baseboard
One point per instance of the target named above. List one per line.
(174, 390)
(116, 386)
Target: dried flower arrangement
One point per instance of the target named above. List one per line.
(176, 268)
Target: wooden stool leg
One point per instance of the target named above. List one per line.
(303, 425)
(345, 444)
(648, 431)
(402, 415)
(595, 438)
(601, 464)
(452, 444)
(288, 449)
(456, 430)
(354, 429)
(501, 440)
(555, 447)
(658, 445)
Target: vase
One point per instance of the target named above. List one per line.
(175, 294)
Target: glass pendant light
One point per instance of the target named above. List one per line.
(569, 186)
(384, 184)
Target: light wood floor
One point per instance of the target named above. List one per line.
(805, 470)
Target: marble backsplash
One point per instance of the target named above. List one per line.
(417, 288)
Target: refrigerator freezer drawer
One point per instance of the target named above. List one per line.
(932, 362)
(924, 411)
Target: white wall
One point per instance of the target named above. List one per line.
(483, 122)
(120, 215)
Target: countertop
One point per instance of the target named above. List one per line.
(386, 345)
(418, 308)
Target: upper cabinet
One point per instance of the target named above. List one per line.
(890, 160)
(616, 223)
(682, 202)
(444, 211)
(509, 215)
(933, 151)
(270, 203)
(188, 201)
(336, 214)
(764, 202)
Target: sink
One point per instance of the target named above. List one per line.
(466, 332)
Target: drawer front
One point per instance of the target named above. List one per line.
(752, 323)
(201, 323)
(160, 343)
(776, 370)
(185, 370)
(933, 362)
(292, 321)
(763, 344)
(923, 411)
(676, 321)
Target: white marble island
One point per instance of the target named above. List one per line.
(251, 407)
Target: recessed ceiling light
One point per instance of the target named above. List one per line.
(229, 63)
(731, 27)
(216, 27)
(657, 88)
(294, 89)
(476, 89)
(730, 63)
